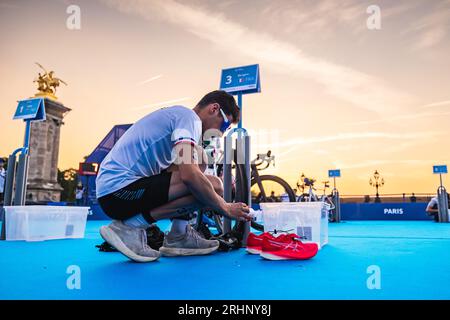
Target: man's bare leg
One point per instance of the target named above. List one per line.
(181, 201)
(182, 240)
(175, 208)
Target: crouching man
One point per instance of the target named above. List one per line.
(153, 173)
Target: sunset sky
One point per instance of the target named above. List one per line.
(334, 93)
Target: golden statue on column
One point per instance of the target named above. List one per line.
(47, 83)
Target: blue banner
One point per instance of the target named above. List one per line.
(384, 211)
(334, 173)
(31, 109)
(241, 80)
(381, 211)
(440, 169)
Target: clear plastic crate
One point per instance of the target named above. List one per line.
(309, 220)
(39, 223)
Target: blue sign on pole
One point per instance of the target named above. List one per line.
(30, 109)
(334, 173)
(440, 169)
(241, 80)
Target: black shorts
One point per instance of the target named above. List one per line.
(138, 197)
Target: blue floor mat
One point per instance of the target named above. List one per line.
(413, 257)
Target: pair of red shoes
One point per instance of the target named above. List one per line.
(283, 247)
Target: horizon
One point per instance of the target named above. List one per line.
(335, 94)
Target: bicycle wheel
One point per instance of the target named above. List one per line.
(207, 219)
(241, 192)
(270, 188)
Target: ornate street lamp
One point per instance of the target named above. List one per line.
(377, 183)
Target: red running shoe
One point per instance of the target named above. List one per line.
(287, 247)
(254, 242)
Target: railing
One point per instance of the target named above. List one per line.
(395, 197)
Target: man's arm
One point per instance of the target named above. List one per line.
(187, 160)
(430, 207)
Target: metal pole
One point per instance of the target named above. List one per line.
(249, 194)
(26, 141)
(442, 204)
(240, 107)
(22, 169)
(21, 180)
(227, 183)
(9, 183)
(337, 205)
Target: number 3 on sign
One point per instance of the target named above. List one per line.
(229, 80)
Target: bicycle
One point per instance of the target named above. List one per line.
(280, 190)
(310, 196)
(259, 185)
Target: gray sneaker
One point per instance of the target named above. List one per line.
(131, 242)
(189, 244)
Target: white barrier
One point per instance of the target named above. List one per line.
(309, 220)
(39, 223)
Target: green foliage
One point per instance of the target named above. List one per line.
(68, 179)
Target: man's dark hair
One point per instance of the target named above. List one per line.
(226, 102)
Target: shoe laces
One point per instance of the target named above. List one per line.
(144, 238)
(286, 233)
(275, 231)
(191, 232)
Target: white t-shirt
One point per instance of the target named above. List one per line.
(433, 202)
(2, 179)
(79, 194)
(145, 149)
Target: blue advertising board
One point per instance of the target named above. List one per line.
(393, 211)
(241, 80)
(384, 211)
(440, 169)
(30, 109)
(334, 173)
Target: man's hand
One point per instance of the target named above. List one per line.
(201, 187)
(239, 211)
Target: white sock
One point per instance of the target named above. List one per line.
(137, 222)
(179, 226)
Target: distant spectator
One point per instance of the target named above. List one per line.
(2, 178)
(366, 198)
(413, 198)
(404, 197)
(433, 209)
(273, 198)
(79, 191)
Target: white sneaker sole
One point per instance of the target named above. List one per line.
(176, 252)
(269, 256)
(113, 239)
(253, 251)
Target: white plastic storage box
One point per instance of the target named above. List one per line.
(309, 220)
(39, 223)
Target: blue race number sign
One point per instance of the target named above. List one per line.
(440, 169)
(31, 109)
(334, 173)
(241, 80)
